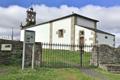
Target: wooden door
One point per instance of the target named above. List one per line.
(81, 40)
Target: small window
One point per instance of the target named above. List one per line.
(81, 32)
(106, 37)
(60, 33)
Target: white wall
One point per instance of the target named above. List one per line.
(101, 39)
(64, 24)
(41, 31)
(85, 22)
(22, 35)
(87, 35)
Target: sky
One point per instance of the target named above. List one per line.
(58, 3)
(13, 12)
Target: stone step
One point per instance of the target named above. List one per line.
(115, 68)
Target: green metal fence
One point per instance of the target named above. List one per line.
(66, 56)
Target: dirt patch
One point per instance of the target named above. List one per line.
(71, 77)
(68, 75)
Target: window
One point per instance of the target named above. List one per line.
(106, 37)
(60, 33)
(81, 32)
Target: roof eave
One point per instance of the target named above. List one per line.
(74, 14)
(86, 17)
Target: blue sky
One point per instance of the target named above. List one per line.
(57, 3)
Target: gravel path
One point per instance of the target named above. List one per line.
(93, 73)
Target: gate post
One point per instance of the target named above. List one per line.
(38, 54)
(81, 55)
(95, 56)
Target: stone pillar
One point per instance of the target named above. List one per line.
(28, 55)
(38, 54)
(95, 56)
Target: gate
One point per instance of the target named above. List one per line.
(65, 56)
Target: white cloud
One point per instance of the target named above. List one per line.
(11, 17)
(109, 17)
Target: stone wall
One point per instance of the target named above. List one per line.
(94, 57)
(108, 55)
(15, 55)
(104, 54)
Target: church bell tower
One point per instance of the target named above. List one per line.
(31, 18)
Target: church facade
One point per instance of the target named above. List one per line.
(73, 29)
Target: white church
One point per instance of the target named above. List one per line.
(72, 29)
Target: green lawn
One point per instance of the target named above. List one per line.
(64, 58)
(109, 75)
(15, 73)
(51, 58)
(54, 58)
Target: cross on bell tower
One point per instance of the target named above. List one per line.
(31, 18)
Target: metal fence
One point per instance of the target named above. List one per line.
(66, 56)
(5, 37)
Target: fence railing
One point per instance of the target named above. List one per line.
(65, 55)
(6, 37)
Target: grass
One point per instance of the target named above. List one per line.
(54, 58)
(62, 58)
(51, 58)
(15, 73)
(109, 75)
